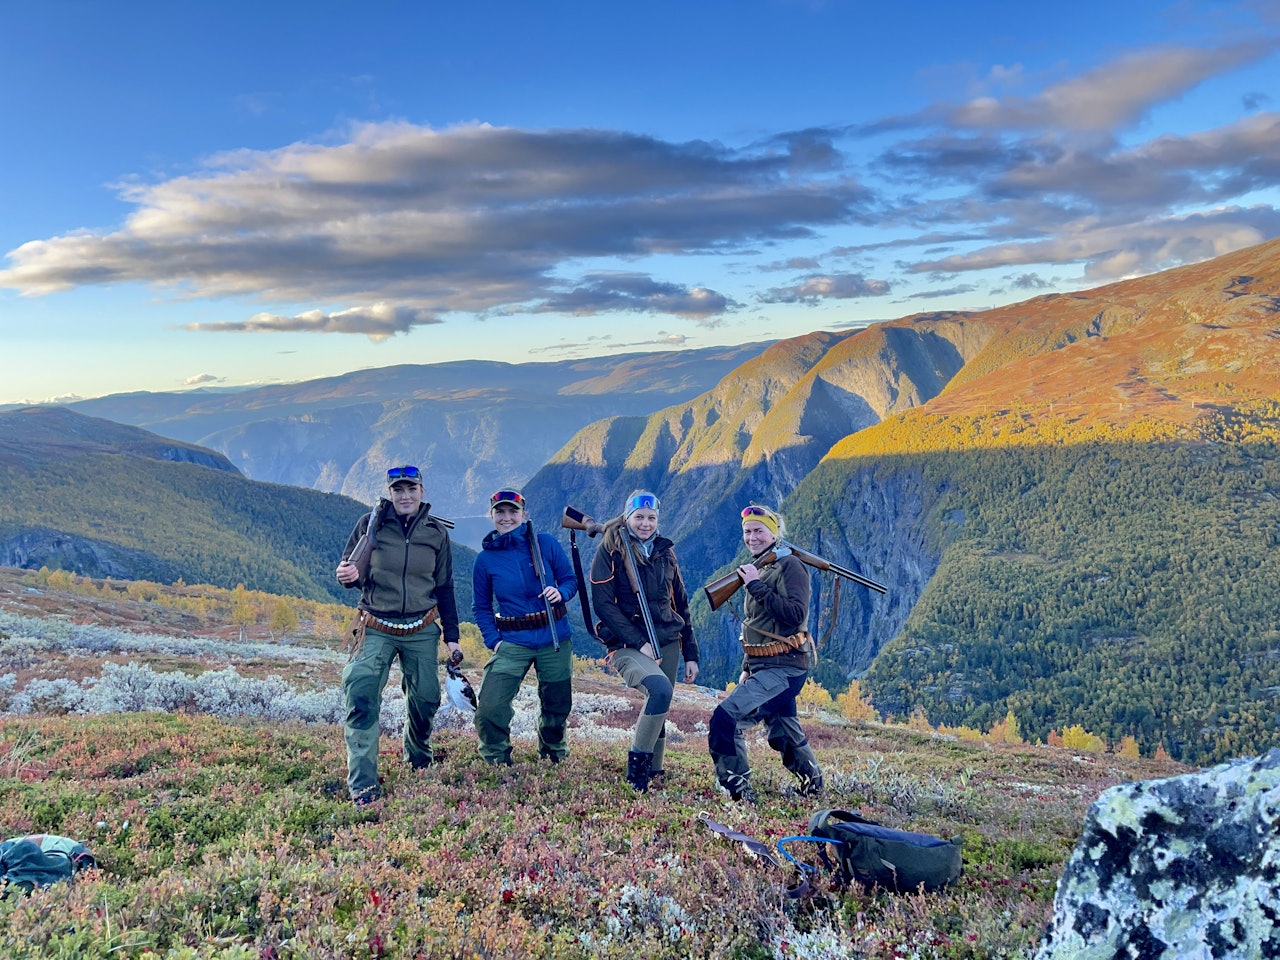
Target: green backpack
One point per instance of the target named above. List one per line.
(880, 856)
(41, 859)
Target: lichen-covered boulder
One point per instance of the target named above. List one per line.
(1187, 867)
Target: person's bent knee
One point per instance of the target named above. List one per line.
(362, 703)
(658, 687)
(721, 732)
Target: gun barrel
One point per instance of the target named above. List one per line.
(813, 560)
(859, 579)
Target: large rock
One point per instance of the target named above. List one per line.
(1184, 867)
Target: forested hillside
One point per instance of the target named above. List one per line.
(71, 500)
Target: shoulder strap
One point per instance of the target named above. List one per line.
(795, 891)
(819, 819)
(581, 577)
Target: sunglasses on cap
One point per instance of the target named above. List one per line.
(404, 473)
(507, 496)
(642, 501)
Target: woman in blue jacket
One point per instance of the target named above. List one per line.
(518, 632)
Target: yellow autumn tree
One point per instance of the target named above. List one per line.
(1128, 747)
(1007, 730)
(813, 697)
(854, 706)
(1077, 738)
(282, 620)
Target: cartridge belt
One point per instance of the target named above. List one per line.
(531, 621)
(372, 622)
(779, 645)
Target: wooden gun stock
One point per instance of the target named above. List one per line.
(574, 519)
(718, 591)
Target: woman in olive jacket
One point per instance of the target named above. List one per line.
(775, 667)
(631, 548)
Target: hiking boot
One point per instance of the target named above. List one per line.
(740, 789)
(808, 786)
(638, 772)
(367, 796)
(744, 794)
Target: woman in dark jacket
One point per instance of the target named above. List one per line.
(631, 548)
(777, 652)
(519, 635)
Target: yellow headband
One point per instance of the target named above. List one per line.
(761, 515)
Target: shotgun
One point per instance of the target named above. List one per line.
(720, 590)
(574, 519)
(633, 574)
(539, 571)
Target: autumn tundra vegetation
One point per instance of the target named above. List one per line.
(189, 735)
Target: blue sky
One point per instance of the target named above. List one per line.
(230, 193)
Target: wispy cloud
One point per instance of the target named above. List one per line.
(605, 292)
(842, 286)
(377, 321)
(592, 345)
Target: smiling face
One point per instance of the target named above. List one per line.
(406, 497)
(643, 522)
(506, 517)
(757, 537)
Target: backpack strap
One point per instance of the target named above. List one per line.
(818, 821)
(822, 852)
(759, 849)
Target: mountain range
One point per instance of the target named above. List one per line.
(1075, 500)
(473, 426)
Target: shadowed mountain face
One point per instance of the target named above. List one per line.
(473, 426)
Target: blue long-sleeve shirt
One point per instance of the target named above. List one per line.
(503, 577)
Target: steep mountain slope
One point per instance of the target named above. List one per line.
(472, 425)
(761, 430)
(100, 499)
(882, 446)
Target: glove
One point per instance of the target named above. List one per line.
(455, 658)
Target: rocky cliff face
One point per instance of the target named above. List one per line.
(757, 436)
(56, 550)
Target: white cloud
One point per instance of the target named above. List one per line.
(843, 286)
(471, 218)
(377, 321)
